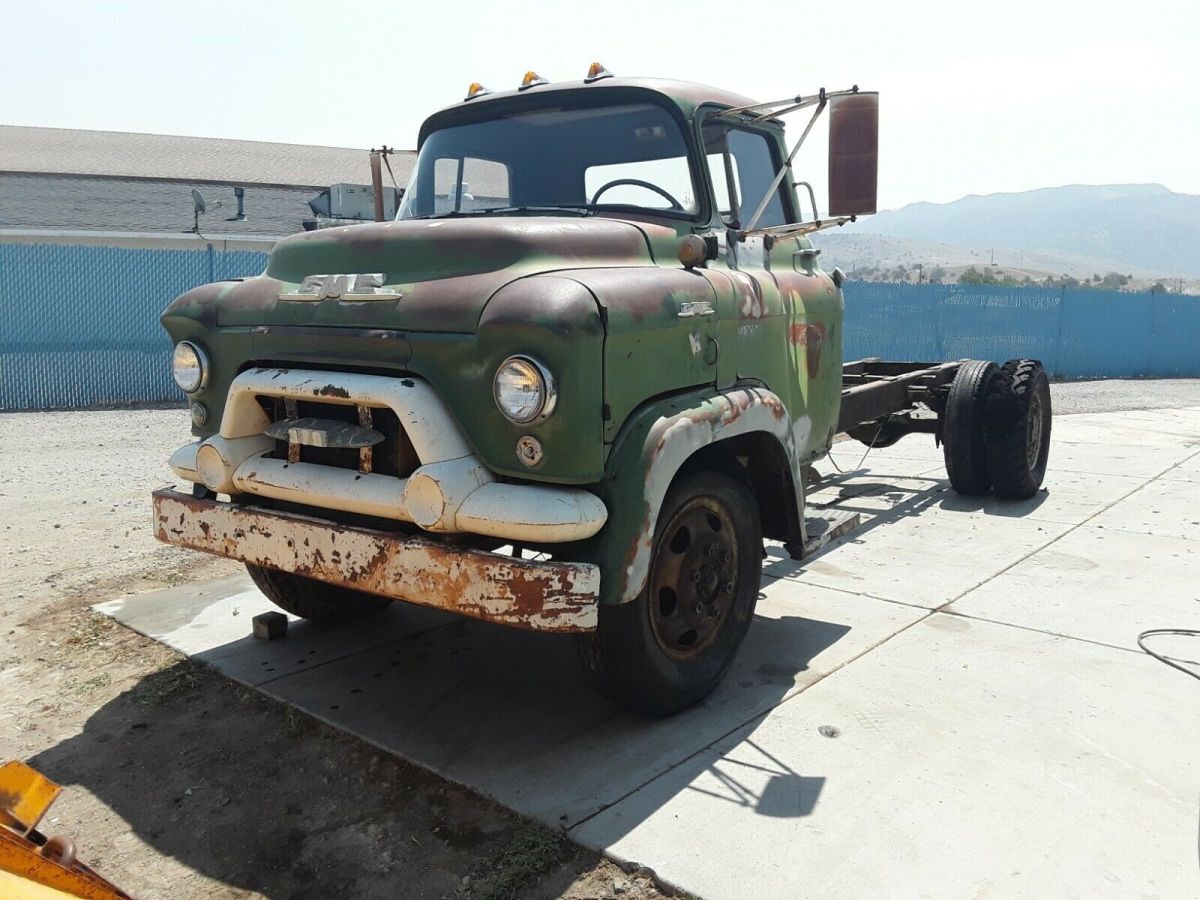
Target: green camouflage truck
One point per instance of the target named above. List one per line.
(572, 387)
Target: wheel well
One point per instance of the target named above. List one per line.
(759, 461)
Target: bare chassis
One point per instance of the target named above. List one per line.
(879, 398)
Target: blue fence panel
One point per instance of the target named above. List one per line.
(1077, 333)
(79, 324)
(1175, 336)
(933, 322)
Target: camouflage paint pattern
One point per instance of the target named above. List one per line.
(653, 361)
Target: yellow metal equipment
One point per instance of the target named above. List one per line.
(32, 866)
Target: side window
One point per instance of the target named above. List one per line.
(483, 184)
(742, 166)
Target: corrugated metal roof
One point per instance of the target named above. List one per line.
(73, 202)
(194, 159)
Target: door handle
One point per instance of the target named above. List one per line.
(714, 349)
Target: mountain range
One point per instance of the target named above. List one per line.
(1140, 229)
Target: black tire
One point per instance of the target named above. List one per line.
(1019, 419)
(314, 600)
(964, 431)
(670, 647)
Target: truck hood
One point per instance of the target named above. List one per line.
(445, 270)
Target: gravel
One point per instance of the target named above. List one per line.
(1113, 395)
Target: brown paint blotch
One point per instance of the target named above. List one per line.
(811, 336)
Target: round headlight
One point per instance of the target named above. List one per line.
(189, 367)
(524, 390)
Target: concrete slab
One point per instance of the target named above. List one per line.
(1161, 506)
(1119, 445)
(915, 555)
(1099, 585)
(1187, 470)
(1115, 459)
(212, 622)
(1181, 423)
(1067, 497)
(972, 760)
(1110, 429)
(506, 712)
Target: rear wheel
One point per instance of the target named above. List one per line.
(670, 647)
(314, 600)
(1018, 429)
(964, 431)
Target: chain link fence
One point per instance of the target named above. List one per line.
(1075, 332)
(79, 324)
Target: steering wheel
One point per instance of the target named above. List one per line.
(637, 182)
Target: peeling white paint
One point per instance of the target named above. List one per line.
(433, 496)
(672, 440)
(542, 596)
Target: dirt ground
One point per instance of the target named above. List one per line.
(180, 783)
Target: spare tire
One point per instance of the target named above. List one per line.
(1018, 421)
(964, 431)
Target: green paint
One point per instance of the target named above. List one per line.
(597, 299)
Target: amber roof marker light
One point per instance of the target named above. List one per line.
(595, 72)
(531, 79)
(475, 90)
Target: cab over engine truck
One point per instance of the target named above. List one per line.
(572, 387)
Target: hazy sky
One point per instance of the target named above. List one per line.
(975, 98)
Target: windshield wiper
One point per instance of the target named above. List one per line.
(582, 210)
(487, 211)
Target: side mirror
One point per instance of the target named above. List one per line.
(853, 154)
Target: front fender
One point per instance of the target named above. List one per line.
(656, 441)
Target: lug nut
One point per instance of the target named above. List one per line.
(696, 575)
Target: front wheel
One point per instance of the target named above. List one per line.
(672, 645)
(314, 600)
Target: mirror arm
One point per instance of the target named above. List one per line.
(811, 196)
(795, 230)
(790, 104)
(785, 168)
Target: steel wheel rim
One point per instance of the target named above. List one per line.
(693, 582)
(1033, 444)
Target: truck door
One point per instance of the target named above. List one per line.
(742, 164)
(781, 317)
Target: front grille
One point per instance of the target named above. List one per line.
(394, 456)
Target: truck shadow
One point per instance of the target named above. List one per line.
(243, 791)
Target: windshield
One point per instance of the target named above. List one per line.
(624, 157)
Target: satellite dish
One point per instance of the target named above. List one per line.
(198, 202)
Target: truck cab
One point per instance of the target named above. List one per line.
(571, 387)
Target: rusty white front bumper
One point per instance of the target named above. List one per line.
(540, 596)
(450, 492)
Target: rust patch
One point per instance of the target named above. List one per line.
(811, 336)
(332, 390)
(539, 596)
